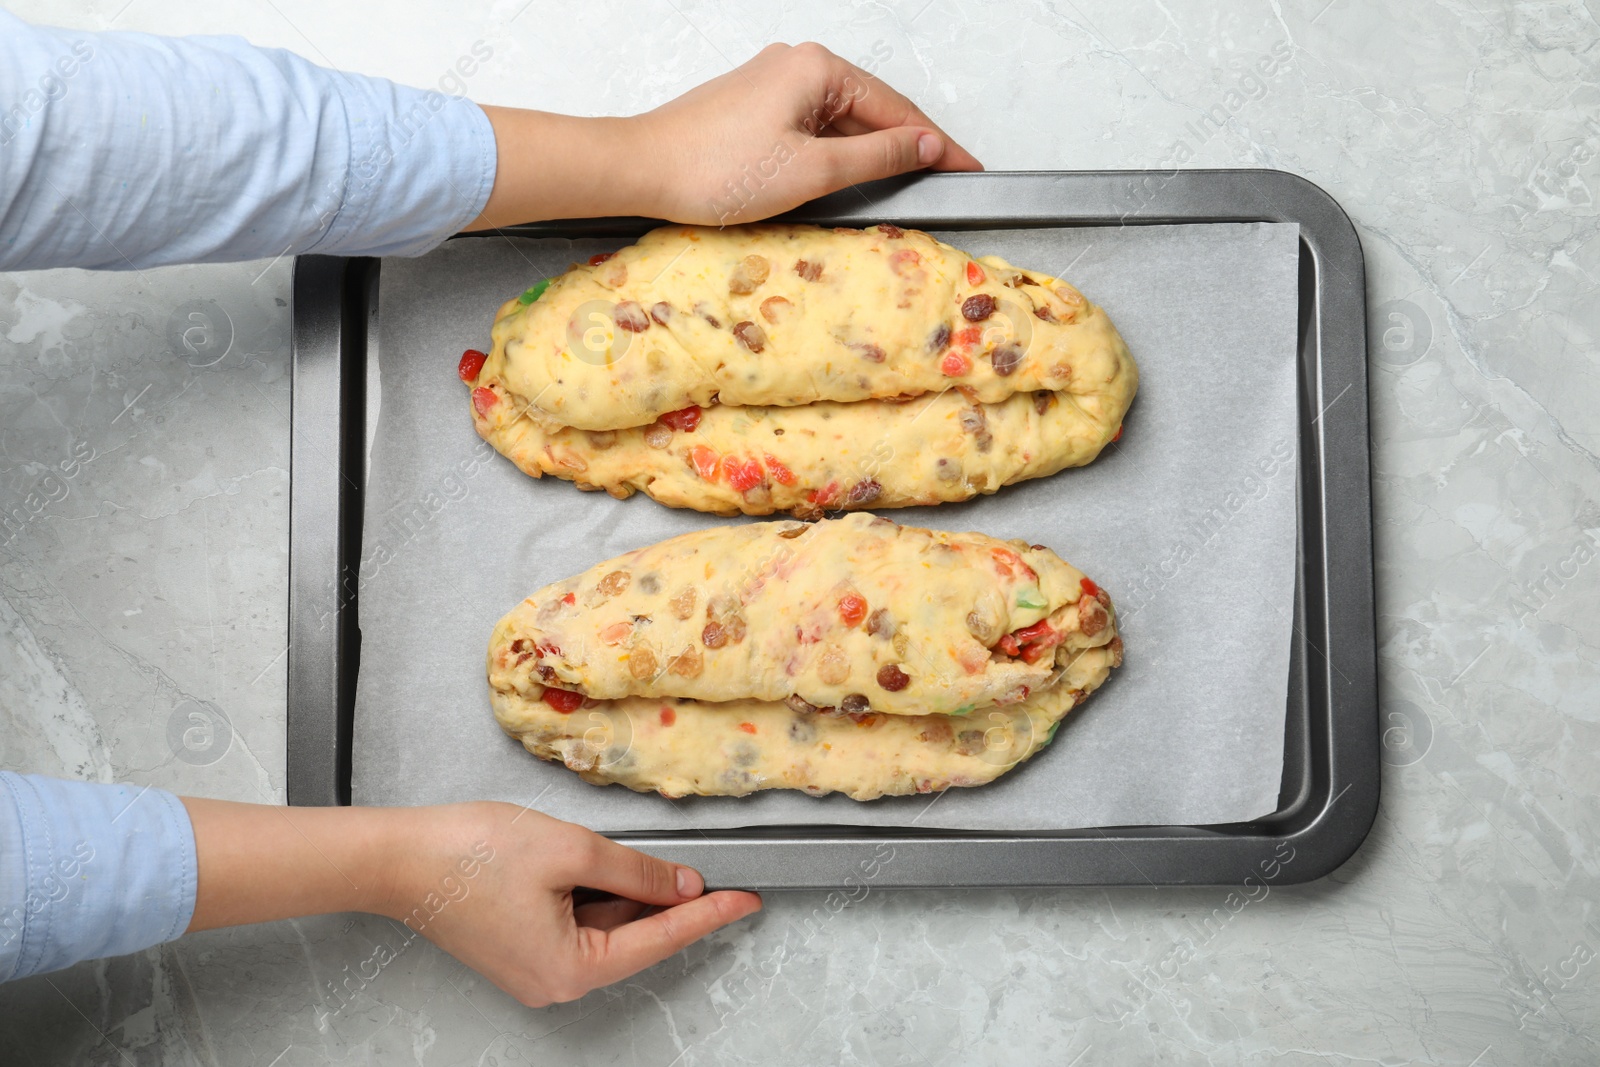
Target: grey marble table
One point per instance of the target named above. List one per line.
(144, 596)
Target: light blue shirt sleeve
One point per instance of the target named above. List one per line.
(127, 150)
(89, 870)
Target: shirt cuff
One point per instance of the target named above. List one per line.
(421, 167)
(89, 870)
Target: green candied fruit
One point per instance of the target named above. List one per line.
(1051, 736)
(1024, 601)
(965, 709)
(534, 293)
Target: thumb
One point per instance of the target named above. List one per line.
(865, 157)
(632, 874)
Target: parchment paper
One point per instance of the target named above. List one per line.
(1189, 522)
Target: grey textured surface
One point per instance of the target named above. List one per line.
(149, 595)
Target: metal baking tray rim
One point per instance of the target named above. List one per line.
(1331, 773)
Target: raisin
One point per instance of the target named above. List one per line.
(750, 335)
(657, 436)
(972, 420)
(773, 308)
(1006, 358)
(890, 230)
(833, 667)
(864, 492)
(650, 584)
(629, 316)
(682, 604)
(1091, 616)
(870, 352)
(880, 622)
(614, 583)
(748, 276)
(687, 663)
(799, 704)
(661, 312)
(712, 636)
(1041, 401)
(980, 628)
(734, 628)
(602, 439)
(793, 531)
(642, 663)
(977, 308)
(892, 678)
(855, 704)
(940, 338)
(809, 271)
(1069, 296)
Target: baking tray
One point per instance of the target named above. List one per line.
(1329, 793)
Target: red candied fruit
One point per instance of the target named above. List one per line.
(852, 609)
(1088, 587)
(954, 364)
(684, 420)
(599, 258)
(975, 275)
(743, 474)
(563, 700)
(705, 460)
(748, 727)
(825, 496)
(471, 364)
(780, 473)
(483, 400)
(668, 716)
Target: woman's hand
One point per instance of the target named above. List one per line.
(515, 920)
(492, 884)
(790, 125)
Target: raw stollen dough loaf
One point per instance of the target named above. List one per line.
(853, 654)
(793, 368)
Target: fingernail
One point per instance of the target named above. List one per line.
(689, 882)
(928, 149)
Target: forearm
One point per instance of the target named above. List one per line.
(258, 863)
(564, 167)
